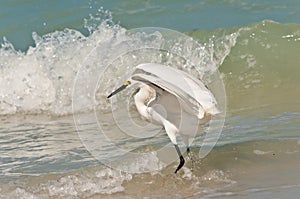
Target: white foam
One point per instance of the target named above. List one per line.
(144, 163)
(214, 175)
(105, 181)
(217, 176)
(85, 183)
(22, 194)
(188, 174)
(41, 80)
(259, 152)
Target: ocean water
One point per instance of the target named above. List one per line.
(53, 52)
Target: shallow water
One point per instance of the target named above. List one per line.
(49, 78)
(44, 158)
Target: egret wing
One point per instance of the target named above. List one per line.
(194, 97)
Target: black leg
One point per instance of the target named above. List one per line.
(188, 150)
(181, 158)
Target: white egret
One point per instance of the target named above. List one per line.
(174, 99)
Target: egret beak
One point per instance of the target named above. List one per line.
(127, 83)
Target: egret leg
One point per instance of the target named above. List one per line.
(187, 144)
(180, 157)
(190, 155)
(188, 150)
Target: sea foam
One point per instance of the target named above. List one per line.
(42, 79)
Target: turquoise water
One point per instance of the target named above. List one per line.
(19, 18)
(253, 44)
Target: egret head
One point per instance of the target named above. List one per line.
(125, 85)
